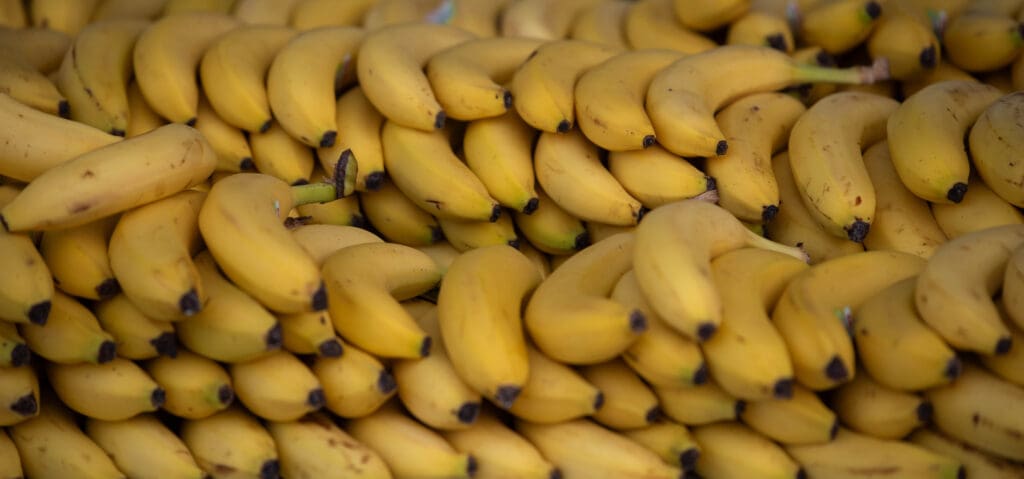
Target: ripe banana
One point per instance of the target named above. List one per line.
(839, 26)
(301, 82)
(20, 79)
(980, 41)
(234, 153)
(499, 151)
(195, 386)
(151, 251)
(355, 384)
(263, 12)
(652, 24)
(232, 326)
(277, 387)
(145, 448)
(13, 350)
(1012, 287)
(146, 9)
(628, 402)
(954, 291)
(142, 118)
(340, 212)
(71, 335)
(980, 209)
(136, 335)
(926, 137)
(551, 229)
(166, 61)
(755, 127)
(112, 391)
(669, 440)
(1008, 366)
(944, 71)
(315, 447)
(397, 218)
(701, 404)
(761, 28)
(10, 461)
(311, 14)
(320, 240)
(602, 22)
(851, 453)
(500, 451)
(359, 124)
(232, 440)
(994, 139)
(554, 392)
(310, 333)
(26, 285)
(888, 330)
(865, 406)
(731, 449)
(656, 177)
(278, 154)
(976, 463)
(541, 19)
(707, 15)
(800, 419)
(77, 258)
(20, 395)
(906, 40)
(172, 7)
(467, 235)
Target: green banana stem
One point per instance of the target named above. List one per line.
(341, 184)
(864, 75)
(314, 193)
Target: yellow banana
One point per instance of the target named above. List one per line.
(554, 392)
(26, 285)
(355, 384)
(976, 463)
(761, 28)
(944, 71)
(702, 404)
(146, 9)
(980, 209)
(359, 124)
(320, 241)
(397, 218)
(142, 118)
(232, 440)
(732, 449)
(195, 386)
(20, 395)
(311, 14)
(20, 79)
(851, 453)
(234, 153)
(309, 333)
(551, 229)
(112, 391)
(10, 461)
(263, 12)
(653, 24)
(907, 41)
(628, 402)
(136, 335)
(13, 350)
(499, 151)
(467, 235)
(310, 448)
(707, 15)
(800, 419)
(145, 448)
(982, 41)
(77, 258)
(541, 19)
(71, 335)
(993, 139)
(839, 25)
(342, 212)
(1012, 287)
(669, 440)
(277, 387)
(61, 15)
(602, 22)
(500, 451)
(14, 14)
(868, 407)
(173, 7)
(278, 154)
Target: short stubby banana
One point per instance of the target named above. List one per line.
(982, 41)
(996, 140)
(702, 404)
(232, 440)
(840, 25)
(731, 449)
(20, 395)
(500, 451)
(868, 407)
(397, 219)
(26, 284)
(803, 418)
(195, 386)
(355, 384)
(628, 403)
(112, 391)
(71, 335)
(137, 336)
(762, 28)
(907, 41)
(277, 387)
(670, 440)
(655, 177)
(499, 151)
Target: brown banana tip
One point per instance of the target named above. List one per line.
(439, 120)
(471, 465)
(374, 180)
(640, 213)
(953, 368)
(710, 183)
(700, 376)
(20, 355)
(783, 389)
(106, 353)
(166, 344)
(38, 313)
(319, 300)
(386, 382)
(436, 234)
(649, 141)
(1003, 346)
(331, 348)
(873, 9)
(598, 401)
(834, 430)
(495, 213)
(738, 409)
(64, 109)
(506, 395)
(315, 399)
(246, 164)
(191, 122)
(555, 473)
(721, 147)
(108, 288)
(189, 303)
(563, 126)
(514, 242)
(117, 132)
(271, 469)
(768, 213)
(531, 206)
(705, 331)
(158, 397)
(836, 370)
(507, 99)
(328, 138)
(637, 321)
(653, 415)
(425, 346)
(688, 459)
(225, 394)
(26, 405)
(468, 412)
(928, 58)
(957, 192)
(582, 240)
(925, 411)
(776, 41)
(274, 337)
(857, 231)
(265, 125)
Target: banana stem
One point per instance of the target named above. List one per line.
(314, 193)
(339, 185)
(878, 71)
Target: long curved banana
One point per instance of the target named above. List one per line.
(166, 61)
(652, 24)
(234, 153)
(143, 447)
(675, 244)
(194, 386)
(732, 449)
(52, 445)
(825, 156)
(112, 179)
(137, 336)
(976, 463)
(355, 384)
(980, 209)
(112, 391)
(309, 448)
(499, 451)
(839, 26)
(541, 19)
(813, 314)
(71, 335)
(755, 127)
(551, 229)
(311, 14)
(906, 40)
(554, 392)
(669, 440)
(499, 151)
(78, 260)
(277, 387)
(926, 137)
(683, 97)
(390, 71)
(603, 22)
(994, 139)
(981, 41)
(868, 407)
(20, 396)
(702, 404)
(397, 218)
(20, 79)
(467, 235)
(609, 99)
(802, 418)
(628, 402)
(278, 154)
(850, 453)
(358, 123)
(300, 82)
(232, 440)
(761, 28)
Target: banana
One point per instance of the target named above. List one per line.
(390, 71)
(926, 137)
(814, 317)
(669, 440)
(20, 396)
(112, 179)
(10, 462)
(500, 451)
(1008, 366)
(980, 41)
(315, 447)
(554, 392)
(77, 258)
(320, 241)
(112, 391)
(541, 19)
(980, 209)
(652, 24)
(731, 449)
(993, 139)
(850, 454)
(166, 61)
(233, 442)
(263, 12)
(750, 282)
(310, 333)
(278, 154)
(976, 463)
(393, 12)
(840, 25)
(467, 235)
(888, 330)
(311, 14)
(954, 291)
(443, 254)
(359, 124)
(700, 404)
(234, 152)
(43, 48)
(468, 79)
(13, 14)
(543, 86)
(397, 218)
(1017, 74)
(26, 285)
(499, 151)
(755, 127)
(424, 167)
(628, 402)
(142, 119)
(603, 23)
(232, 326)
(944, 71)
(682, 98)
(551, 229)
(13, 350)
(600, 231)
(609, 99)
(431, 388)
(761, 28)
(277, 387)
(825, 156)
(661, 355)
(136, 335)
(569, 169)
(71, 335)
(800, 419)
(903, 222)
(340, 212)
(867, 407)
(355, 384)
(580, 448)
(143, 447)
(195, 386)
(409, 448)
(174, 7)
(51, 446)
(1012, 288)
(707, 15)
(809, 93)
(982, 423)
(301, 82)
(151, 251)
(907, 41)
(20, 79)
(111, 9)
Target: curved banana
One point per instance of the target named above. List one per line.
(499, 151)
(26, 284)
(263, 12)
(142, 118)
(732, 449)
(755, 127)
(993, 140)
(500, 451)
(609, 99)
(980, 209)
(761, 28)
(195, 386)
(981, 41)
(702, 404)
(669, 440)
(146, 9)
(20, 395)
(944, 71)
(174, 7)
(301, 82)
(397, 218)
(20, 79)
(143, 447)
(342, 211)
(71, 335)
(278, 154)
(628, 402)
(112, 179)
(311, 14)
(136, 335)
(603, 23)
(43, 48)
(926, 137)
(10, 460)
(850, 453)
(166, 61)
(234, 153)
(554, 392)
(355, 384)
(276, 387)
(310, 333)
(976, 463)
(839, 26)
(467, 235)
(112, 391)
(77, 258)
(868, 407)
(541, 19)
(551, 229)
(359, 124)
(232, 440)
(800, 419)
(1013, 285)
(707, 15)
(813, 314)
(907, 41)
(309, 448)
(52, 445)
(13, 350)
(652, 24)
(151, 251)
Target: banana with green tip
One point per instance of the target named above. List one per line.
(194, 386)
(278, 154)
(13, 350)
(980, 209)
(669, 440)
(652, 24)
(166, 61)
(72, 334)
(602, 22)
(976, 463)
(701, 404)
(321, 240)
(499, 451)
(145, 448)
(310, 14)
(499, 151)
(309, 447)
(887, 330)
(20, 79)
(732, 449)
(232, 440)
(761, 28)
(801, 419)
(136, 335)
(310, 333)
(141, 118)
(263, 12)
(554, 392)
(355, 384)
(994, 139)
(973, 408)
(926, 137)
(276, 387)
(78, 260)
(551, 229)
(358, 123)
(234, 154)
(628, 402)
(850, 454)
(301, 82)
(10, 461)
(980, 41)
(20, 395)
(541, 19)
(397, 218)
(467, 235)
(839, 26)
(112, 391)
(865, 406)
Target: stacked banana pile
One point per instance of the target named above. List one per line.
(403, 238)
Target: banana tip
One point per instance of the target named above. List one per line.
(425, 346)
(374, 181)
(439, 120)
(225, 394)
(957, 192)
(1003, 346)
(857, 231)
(189, 303)
(495, 213)
(637, 322)
(64, 109)
(328, 138)
(191, 122)
(924, 411)
(436, 234)
(166, 344)
(834, 430)
(598, 401)
(38, 313)
(563, 126)
(873, 9)
(722, 147)
(582, 240)
(705, 331)
(26, 405)
(108, 288)
(265, 126)
(319, 300)
(783, 388)
(801, 474)
(107, 352)
(274, 337)
(386, 382)
(700, 376)
(531, 206)
(20, 355)
(158, 397)
(471, 465)
(271, 469)
(777, 41)
(555, 473)
(653, 415)
(768, 213)
(649, 141)
(331, 348)
(507, 99)
(506, 395)
(316, 399)
(468, 412)
(117, 132)
(514, 242)
(688, 459)
(928, 58)
(246, 164)
(953, 368)
(836, 370)
(739, 407)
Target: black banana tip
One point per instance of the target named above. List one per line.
(108, 288)
(191, 122)
(386, 382)
(374, 180)
(330, 349)
(20, 355)
(117, 132)
(776, 41)
(582, 240)
(957, 192)
(705, 331)
(801, 474)
(468, 412)
(700, 376)
(768, 213)
(531, 206)
(858, 230)
(834, 430)
(925, 411)
(189, 303)
(961, 473)
(158, 397)
(650, 140)
(506, 395)
(38, 313)
(225, 394)
(166, 344)
(425, 346)
(439, 120)
(653, 415)
(471, 466)
(507, 99)
(783, 389)
(688, 459)
(64, 109)
(246, 164)
(953, 368)
(1003, 346)
(26, 405)
(555, 473)
(721, 147)
(300, 182)
(495, 213)
(710, 183)
(836, 370)
(107, 352)
(514, 242)
(598, 401)
(825, 59)
(265, 125)
(319, 300)
(739, 407)
(436, 234)
(928, 58)
(873, 9)
(316, 399)
(274, 337)
(564, 126)
(271, 469)
(328, 138)
(637, 321)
